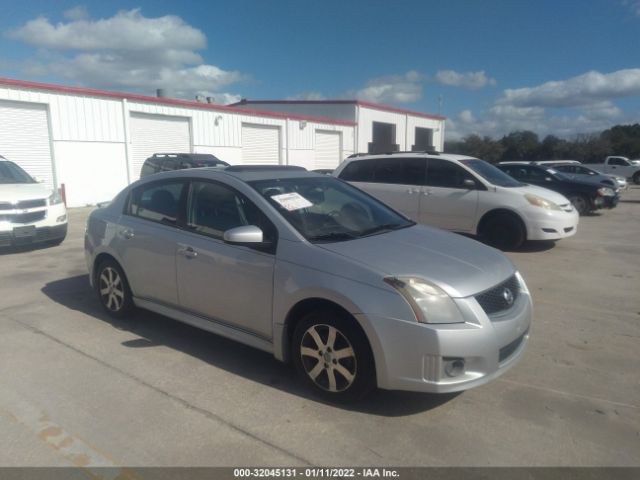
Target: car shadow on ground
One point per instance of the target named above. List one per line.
(31, 247)
(527, 247)
(255, 365)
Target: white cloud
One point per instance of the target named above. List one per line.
(469, 80)
(502, 119)
(392, 89)
(77, 13)
(126, 51)
(586, 89)
(466, 116)
(633, 5)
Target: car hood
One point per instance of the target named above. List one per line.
(457, 264)
(14, 192)
(555, 197)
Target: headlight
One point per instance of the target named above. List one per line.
(541, 202)
(606, 192)
(430, 303)
(55, 198)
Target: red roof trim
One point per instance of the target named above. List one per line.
(9, 82)
(341, 102)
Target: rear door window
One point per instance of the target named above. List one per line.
(157, 201)
(402, 171)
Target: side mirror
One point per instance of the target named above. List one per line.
(468, 183)
(249, 234)
(38, 179)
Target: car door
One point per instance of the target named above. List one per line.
(230, 284)
(145, 239)
(446, 202)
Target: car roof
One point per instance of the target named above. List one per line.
(411, 154)
(244, 173)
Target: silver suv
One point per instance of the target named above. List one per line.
(315, 271)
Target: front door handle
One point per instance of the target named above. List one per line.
(187, 252)
(127, 234)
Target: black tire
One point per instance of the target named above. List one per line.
(341, 370)
(113, 289)
(503, 231)
(636, 178)
(580, 203)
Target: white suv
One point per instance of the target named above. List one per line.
(29, 211)
(462, 194)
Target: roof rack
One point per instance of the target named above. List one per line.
(430, 152)
(262, 168)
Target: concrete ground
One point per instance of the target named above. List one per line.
(77, 388)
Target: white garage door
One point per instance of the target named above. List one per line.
(24, 138)
(260, 145)
(157, 134)
(327, 152)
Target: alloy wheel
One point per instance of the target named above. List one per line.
(328, 358)
(111, 289)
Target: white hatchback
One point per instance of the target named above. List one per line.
(29, 211)
(462, 194)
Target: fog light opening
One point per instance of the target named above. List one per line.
(454, 367)
(61, 218)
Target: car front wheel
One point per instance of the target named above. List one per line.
(333, 357)
(580, 203)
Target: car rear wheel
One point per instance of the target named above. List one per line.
(113, 289)
(332, 356)
(503, 231)
(580, 203)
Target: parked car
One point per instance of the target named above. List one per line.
(462, 194)
(618, 166)
(163, 162)
(30, 212)
(314, 271)
(324, 171)
(585, 196)
(574, 169)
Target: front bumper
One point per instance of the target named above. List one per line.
(50, 225)
(552, 225)
(418, 357)
(610, 202)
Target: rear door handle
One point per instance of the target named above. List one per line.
(187, 251)
(127, 233)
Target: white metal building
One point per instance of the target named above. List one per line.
(94, 142)
(378, 128)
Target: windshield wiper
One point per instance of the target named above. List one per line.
(333, 236)
(386, 227)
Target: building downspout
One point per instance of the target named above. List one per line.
(356, 147)
(127, 149)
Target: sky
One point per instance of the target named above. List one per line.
(561, 67)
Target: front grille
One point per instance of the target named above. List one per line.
(29, 217)
(21, 205)
(508, 350)
(497, 299)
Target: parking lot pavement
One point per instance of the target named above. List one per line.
(80, 389)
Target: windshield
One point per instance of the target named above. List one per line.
(325, 209)
(490, 173)
(12, 173)
(557, 174)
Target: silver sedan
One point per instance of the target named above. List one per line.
(314, 271)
